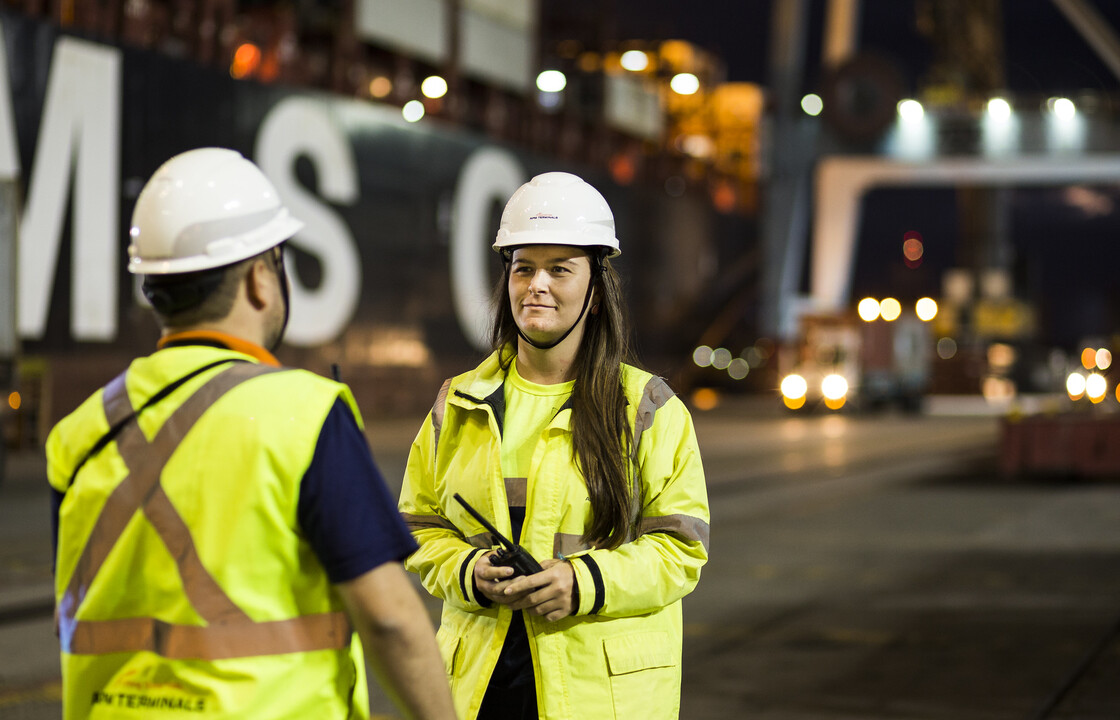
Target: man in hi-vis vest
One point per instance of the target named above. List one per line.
(223, 536)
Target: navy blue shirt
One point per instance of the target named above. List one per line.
(345, 509)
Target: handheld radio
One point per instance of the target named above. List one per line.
(510, 554)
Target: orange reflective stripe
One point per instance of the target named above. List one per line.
(206, 596)
(230, 632)
(327, 631)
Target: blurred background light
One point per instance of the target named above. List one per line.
(685, 84)
(926, 309)
(433, 87)
(834, 387)
(1075, 386)
(999, 109)
(721, 358)
(551, 81)
(634, 60)
(812, 104)
(1063, 108)
(380, 87)
(1096, 387)
(910, 110)
(413, 110)
(890, 309)
(868, 309)
(794, 386)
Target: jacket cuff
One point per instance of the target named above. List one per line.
(589, 584)
(467, 584)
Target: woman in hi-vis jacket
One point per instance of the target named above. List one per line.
(587, 462)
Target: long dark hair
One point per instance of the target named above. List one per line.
(601, 437)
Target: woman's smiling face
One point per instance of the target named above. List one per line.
(547, 288)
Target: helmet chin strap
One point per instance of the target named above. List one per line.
(285, 294)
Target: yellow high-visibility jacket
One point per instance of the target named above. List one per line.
(184, 585)
(619, 655)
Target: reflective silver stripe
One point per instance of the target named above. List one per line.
(654, 396)
(114, 400)
(425, 522)
(686, 526)
(437, 415)
(517, 490)
(482, 540)
(656, 393)
(229, 631)
(568, 544)
(430, 522)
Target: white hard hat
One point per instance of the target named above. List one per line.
(204, 209)
(557, 208)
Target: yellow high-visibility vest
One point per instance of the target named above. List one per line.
(184, 585)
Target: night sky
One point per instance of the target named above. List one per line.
(1065, 241)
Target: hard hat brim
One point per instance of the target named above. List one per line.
(281, 229)
(508, 241)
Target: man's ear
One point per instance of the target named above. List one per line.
(256, 284)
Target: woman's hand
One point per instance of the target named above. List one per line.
(492, 580)
(547, 593)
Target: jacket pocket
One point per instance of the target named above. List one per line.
(448, 648)
(644, 675)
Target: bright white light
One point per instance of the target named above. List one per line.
(634, 60)
(890, 309)
(999, 109)
(868, 309)
(1104, 358)
(1096, 386)
(834, 387)
(910, 110)
(413, 110)
(434, 87)
(685, 84)
(794, 387)
(1075, 385)
(812, 104)
(926, 309)
(551, 81)
(1063, 108)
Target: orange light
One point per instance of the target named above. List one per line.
(1088, 358)
(705, 399)
(380, 86)
(724, 197)
(245, 60)
(913, 248)
(794, 403)
(834, 404)
(14, 401)
(622, 169)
